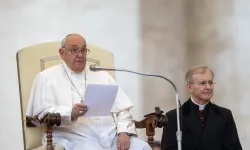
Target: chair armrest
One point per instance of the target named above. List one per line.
(150, 122)
(49, 120)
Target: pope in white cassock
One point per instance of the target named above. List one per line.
(61, 89)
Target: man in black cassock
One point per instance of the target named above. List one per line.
(204, 125)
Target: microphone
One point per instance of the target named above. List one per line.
(94, 68)
(178, 104)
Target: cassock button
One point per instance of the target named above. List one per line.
(202, 125)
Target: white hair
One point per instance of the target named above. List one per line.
(65, 39)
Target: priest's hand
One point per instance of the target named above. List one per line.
(78, 110)
(123, 141)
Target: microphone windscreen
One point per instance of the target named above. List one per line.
(92, 67)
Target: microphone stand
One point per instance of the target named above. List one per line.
(179, 132)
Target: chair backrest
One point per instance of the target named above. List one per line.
(33, 59)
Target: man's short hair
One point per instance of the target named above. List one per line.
(196, 70)
(65, 39)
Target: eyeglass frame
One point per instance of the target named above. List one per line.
(85, 51)
(205, 83)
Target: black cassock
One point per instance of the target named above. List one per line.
(214, 130)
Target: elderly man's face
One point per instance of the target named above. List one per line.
(74, 53)
(202, 86)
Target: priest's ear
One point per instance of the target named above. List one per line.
(190, 87)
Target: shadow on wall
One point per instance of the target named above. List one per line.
(163, 48)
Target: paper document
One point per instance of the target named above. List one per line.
(99, 99)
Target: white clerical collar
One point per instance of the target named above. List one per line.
(201, 107)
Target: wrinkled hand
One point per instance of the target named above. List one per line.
(123, 141)
(78, 110)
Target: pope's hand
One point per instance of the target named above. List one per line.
(123, 141)
(78, 110)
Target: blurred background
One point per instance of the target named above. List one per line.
(163, 37)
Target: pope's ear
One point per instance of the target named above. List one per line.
(61, 52)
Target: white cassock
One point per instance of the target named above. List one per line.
(53, 92)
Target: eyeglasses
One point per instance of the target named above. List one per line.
(204, 83)
(75, 51)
